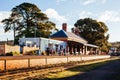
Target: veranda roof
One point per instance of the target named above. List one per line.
(91, 45)
(62, 35)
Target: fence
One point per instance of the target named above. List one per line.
(17, 62)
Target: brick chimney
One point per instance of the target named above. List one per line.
(64, 27)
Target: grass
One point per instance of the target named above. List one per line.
(79, 69)
(74, 71)
(63, 74)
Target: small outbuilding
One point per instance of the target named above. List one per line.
(46, 46)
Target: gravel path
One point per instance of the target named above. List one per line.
(110, 71)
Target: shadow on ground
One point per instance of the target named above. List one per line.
(108, 70)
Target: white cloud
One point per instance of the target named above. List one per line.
(86, 2)
(104, 1)
(85, 14)
(109, 16)
(106, 16)
(53, 14)
(66, 0)
(60, 0)
(1, 32)
(68, 27)
(4, 36)
(3, 15)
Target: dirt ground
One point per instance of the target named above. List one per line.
(110, 71)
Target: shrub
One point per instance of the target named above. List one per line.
(31, 53)
(15, 53)
(12, 53)
(9, 54)
(43, 53)
(2, 54)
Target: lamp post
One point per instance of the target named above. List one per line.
(35, 35)
(35, 28)
(35, 31)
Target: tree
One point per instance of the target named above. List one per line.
(94, 32)
(27, 20)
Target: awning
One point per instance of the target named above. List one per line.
(91, 45)
(75, 38)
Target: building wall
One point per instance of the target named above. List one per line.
(30, 42)
(43, 44)
(4, 48)
(9, 48)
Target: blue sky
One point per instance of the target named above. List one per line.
(70, 11)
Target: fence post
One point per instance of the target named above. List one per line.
(28, 62)
(80, 58)
(4, 64)
(67, 59)
(46, 60)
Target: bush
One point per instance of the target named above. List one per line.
(12, 53)
(9, 54)
(31, 53)
(2, 54)
(43, 53)
(15, 53)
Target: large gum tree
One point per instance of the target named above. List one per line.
(27, 20)
(94, 32)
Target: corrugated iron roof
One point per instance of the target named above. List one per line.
(70, 36)
(73, 37)
(91, 45)
(60, 33)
